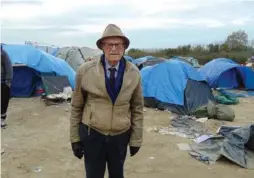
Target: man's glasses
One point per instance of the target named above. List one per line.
(110, 45)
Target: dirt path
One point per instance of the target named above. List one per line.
(37, 139)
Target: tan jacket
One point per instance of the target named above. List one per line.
(91, 103)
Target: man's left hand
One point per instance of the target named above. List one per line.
(134, 150)
(78, 149)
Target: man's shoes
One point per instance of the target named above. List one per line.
(3, 124)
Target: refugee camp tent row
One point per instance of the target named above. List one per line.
(36, 70)
(175, 86)
(225, 73)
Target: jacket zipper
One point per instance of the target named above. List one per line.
(89, 124)
(112, 112)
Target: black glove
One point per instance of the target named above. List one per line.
(77, 149)
(134, 150)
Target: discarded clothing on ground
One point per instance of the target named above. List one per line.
(236, 93)
(224, 130)
(224, 98)
(235, 145)
(215, 111)
(187, 125)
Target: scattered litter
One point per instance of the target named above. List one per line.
(173, 131)
(204, 159)
(53, 99)
(2, 150)
(151, 157)
(37, 169)
(184, 146)
(202, 138)
(144, 110)
(150, 129)
(188, 125)
(155, 129)
(202, 120)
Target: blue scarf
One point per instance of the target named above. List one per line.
(113, 92)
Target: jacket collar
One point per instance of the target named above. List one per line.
(101, 76)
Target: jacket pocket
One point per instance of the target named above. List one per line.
(121, 118)
(101, 117)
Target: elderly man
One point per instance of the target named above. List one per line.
(107, 108)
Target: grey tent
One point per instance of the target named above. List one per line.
(189, 60)
(76, 56)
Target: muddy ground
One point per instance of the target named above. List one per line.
(36, 145)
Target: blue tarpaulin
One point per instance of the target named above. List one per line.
(166, 82)
(225, 73)
(40, 61)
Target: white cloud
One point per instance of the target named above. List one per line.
(46, 8)
(89, 17)
(241, 21)
(145, 13)
(145, 7)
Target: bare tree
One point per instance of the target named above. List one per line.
(237, 40)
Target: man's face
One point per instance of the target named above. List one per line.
(113, 49)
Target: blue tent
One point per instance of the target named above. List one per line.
(34, 64)
(225, 73)
(174, 85)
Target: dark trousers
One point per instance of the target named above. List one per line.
(100, 150)
(5, 97)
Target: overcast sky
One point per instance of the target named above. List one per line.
(154, 24)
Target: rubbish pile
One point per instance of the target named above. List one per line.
(233, 143)
(53, 99)
(185, 126)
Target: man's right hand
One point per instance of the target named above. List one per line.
(78, 149)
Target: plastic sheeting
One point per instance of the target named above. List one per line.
(40, 61)
(233, 145)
